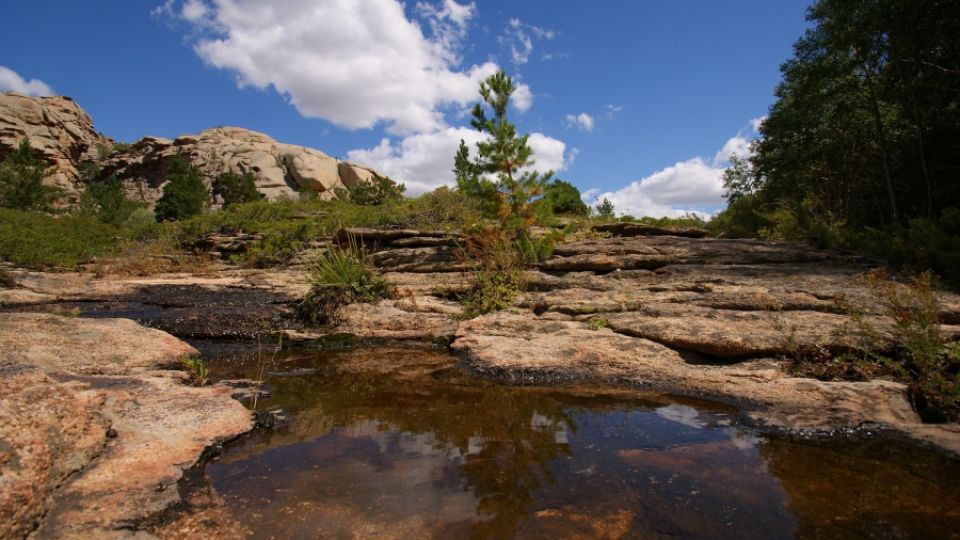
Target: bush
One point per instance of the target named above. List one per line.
(497, 271)
(920, 354)
(107, 200)
(605, 209)
(377, 191)
(340, 276)
(564, 198)
(184, 195)
(233, 188)
(21, 181)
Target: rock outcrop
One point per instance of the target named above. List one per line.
(62, 133)
(282, 170)
(94, 434)
(59, 130)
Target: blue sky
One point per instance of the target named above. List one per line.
(638, 101)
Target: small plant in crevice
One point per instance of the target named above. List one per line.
(496, 271)
(913, 349)
(262, 367)
(197, 370)
(342, 275)
(597, 324)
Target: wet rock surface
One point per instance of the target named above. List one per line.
(94, 432)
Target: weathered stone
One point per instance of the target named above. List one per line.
(524, 347)
(86, 346)
(424, 259)
(417, 318)
(58, 130)
(639, 229)
(65, 383)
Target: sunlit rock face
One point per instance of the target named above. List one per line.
(63, 135)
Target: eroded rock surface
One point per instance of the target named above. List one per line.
(58, 129)
(94, 434)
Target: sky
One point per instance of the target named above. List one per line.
(641, 102)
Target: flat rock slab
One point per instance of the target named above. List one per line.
(523, 347)
(93, 436)
(86, 346)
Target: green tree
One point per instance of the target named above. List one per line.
(378, 190)
(605, 209)
(185, 194)
(506, 155)
(107, 200)
(471, 183)
(21, 180)
(564, 198)
(235, 188)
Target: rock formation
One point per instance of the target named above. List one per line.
(59, 130)
(63, 134)
(282, 170)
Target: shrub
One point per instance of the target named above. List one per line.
(21, 181)
(497, 273)
(107, 200)
(233, 188)
(342, 275)
(184, 195)
(564, 198)
(920, 355)
(377, 191)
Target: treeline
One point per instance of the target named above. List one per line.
(862, 147)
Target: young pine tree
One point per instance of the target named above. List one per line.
(21, 181)
(503, 154)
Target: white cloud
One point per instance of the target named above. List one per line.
(11, 81)
(353, 62)
(522, 97)
(755, 123)
(583, 121)
(517, 37)
(612, 110)
(425, 161)
(694, 185)
(193, 10)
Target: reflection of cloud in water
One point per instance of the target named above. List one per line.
(682, 414)
(544, 423)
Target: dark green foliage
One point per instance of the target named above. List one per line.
(377, 191)
(864, 134)
(21, 181)
(233, 188)
(564, 198)
(184, 195)
(107, 200)
(342, 275)
(471, 183)
(605, 209)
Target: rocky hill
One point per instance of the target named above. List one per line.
(63, 133)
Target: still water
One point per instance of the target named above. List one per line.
(402, 443)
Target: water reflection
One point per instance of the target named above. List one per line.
(399, 443)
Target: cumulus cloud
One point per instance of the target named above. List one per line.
(11, 81)
(425, 161)
(691, 186)
(354, 63)
(519, 38)
(583, 121)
